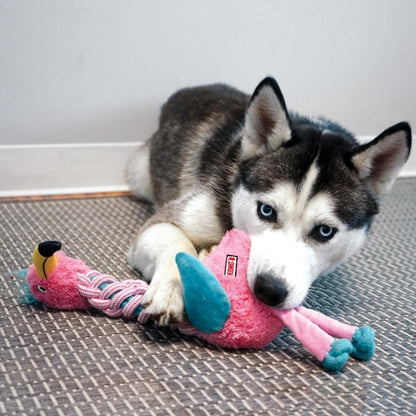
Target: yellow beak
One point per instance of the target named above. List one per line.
(44, 258)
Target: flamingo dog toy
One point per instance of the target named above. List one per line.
(219, 305)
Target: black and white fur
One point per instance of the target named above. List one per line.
(304, 190)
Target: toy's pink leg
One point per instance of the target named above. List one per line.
(333, 353)
(313, 338)
(362, 338)
(329, 325)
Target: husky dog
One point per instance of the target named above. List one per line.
(303, 189)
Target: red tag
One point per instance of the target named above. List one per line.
(231, 266)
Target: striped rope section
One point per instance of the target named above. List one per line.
(115, 298)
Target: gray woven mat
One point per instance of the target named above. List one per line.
(73, 363)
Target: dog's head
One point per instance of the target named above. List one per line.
(307, 193)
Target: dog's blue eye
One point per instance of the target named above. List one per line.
(266, 212)
(323, 232)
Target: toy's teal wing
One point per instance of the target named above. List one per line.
(207, 305)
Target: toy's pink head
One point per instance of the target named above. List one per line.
(53, 277)
(247, 323)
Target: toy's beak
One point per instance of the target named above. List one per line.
(44, 258)
(207, 305)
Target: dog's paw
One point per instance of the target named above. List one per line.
(363, 343)
(338, 355)
(164, 302)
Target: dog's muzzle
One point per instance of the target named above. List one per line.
(270, 290)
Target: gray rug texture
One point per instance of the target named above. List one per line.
(84, 363)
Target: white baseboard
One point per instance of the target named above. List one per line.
(63, 169)
(77, 168)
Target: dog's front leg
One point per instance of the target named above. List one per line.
(153, 253)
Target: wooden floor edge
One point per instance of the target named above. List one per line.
(63, 196)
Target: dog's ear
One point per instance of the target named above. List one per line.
(379, 161)
(267, 123)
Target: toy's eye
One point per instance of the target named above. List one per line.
(41, 289)
(266, 212)
(323, 232)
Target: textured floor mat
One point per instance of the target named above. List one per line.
(79, 363)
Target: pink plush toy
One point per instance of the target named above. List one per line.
(219, 305)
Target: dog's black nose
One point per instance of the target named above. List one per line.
(270, 290)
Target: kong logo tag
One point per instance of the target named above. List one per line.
(231, 265)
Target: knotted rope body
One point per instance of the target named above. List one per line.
(115, 298)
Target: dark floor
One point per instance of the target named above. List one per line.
(78, 363)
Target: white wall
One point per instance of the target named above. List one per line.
(96, 71)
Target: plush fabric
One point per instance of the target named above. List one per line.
(60, 289)
(218, 302)
(250, 323)
(206, 302)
